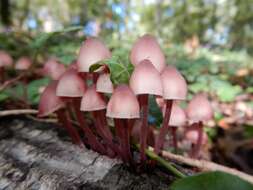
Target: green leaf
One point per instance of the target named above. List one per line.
(212, 181)
(3, 96)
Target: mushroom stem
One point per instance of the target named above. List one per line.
(2, 74)
(64, 118)
(144, 127)
(126, 140)
(197, 147)
(164, 129)
(100, 129)
(93, 142)
(120, 136)
(174, 137)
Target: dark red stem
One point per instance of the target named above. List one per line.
(174, 136)
(144, 126)
(92, 139)
(119, 137)
(64, 118)
(2, 75)
(164, 129)
(197, 147)
(100, 128)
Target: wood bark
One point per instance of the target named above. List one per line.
(39, 156)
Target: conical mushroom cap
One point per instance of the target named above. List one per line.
(5, 59)
(53, 69)
(92, 51)
(104, 83)
(145, 79)
(49, 102)
(70, 85)
(192, 136)
(146, 47)
(92, 100)
(23, 63)
(123, 104)
(199, 109)
(178, 116)
(174, 84)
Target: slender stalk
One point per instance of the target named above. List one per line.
(144, 127)
(174, 136)
(100, 129)
(165, 126)
(163, 162)
(2, 75)
(63, 117)
(126, 141)
(120, 137)
(197, 147)
(92, 139)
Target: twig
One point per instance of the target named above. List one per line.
(17, 112)
(11, 81)
(206, 165)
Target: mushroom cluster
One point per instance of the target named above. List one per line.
(95, 103)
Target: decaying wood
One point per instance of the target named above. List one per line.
(39, 156)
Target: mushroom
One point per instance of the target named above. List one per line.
(22, 65)
(145, 80)
(174, 88)
(177, 119)
(198, 111)
(146, 47)
(192, 135)
(104, 83)
(50, 103)
(53, 69)
(123, 113)
(71, 88)
(5, 61)
(93, 101)
(92, 51)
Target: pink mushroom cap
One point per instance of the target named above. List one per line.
(104, 83)
(5, 59)
(92, 51)
(199, 109)
(145, 79)
(92, 100)
(49, 102)
(123, 104)
(192, 136)
(174, 84)
(23, 63)
(178, 116)
(53, 69)
(147, 47)
(70, 84)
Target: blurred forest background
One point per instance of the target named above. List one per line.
(210, 42)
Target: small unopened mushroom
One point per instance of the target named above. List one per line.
(53, 69)
(178, 119)
(71, 88)
(23, 63)
(5, 62)
(198, 111)
(123, 107)
(104, 83)
(147, 47)
(93, 102)
(50, 103)
(144, 81)
(174, 88)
